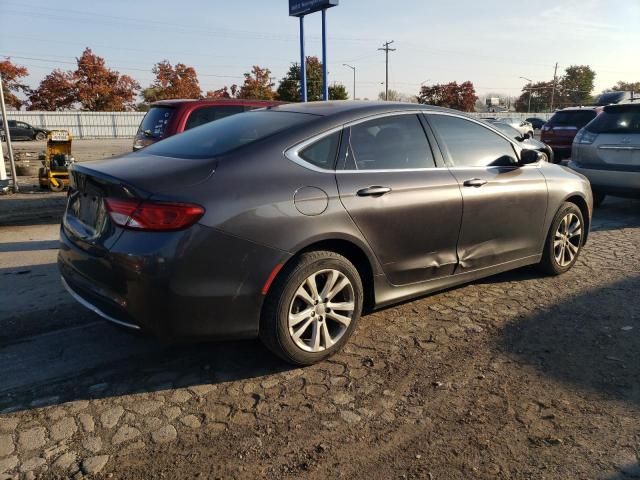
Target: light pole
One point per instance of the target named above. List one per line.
(530, 90)
(354, 78)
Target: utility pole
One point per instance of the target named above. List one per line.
(5, 122)
(386, 50)
(354, 78)
(553, 91)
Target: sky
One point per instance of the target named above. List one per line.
(491, 43)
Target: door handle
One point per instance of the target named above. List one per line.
(375, 191)
(474, 182)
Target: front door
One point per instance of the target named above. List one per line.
(408, 210)
(504, 205)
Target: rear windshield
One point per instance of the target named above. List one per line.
(155, 121)
(572, 118)
(222, 136)
(617, 120)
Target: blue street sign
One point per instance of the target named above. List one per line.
(299, 8)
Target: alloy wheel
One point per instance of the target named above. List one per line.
(321, 310)
(567, 239)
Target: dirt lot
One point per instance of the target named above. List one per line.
(517, 376)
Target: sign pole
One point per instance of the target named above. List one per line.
(303, 63)
(7, 134)
(325, 87)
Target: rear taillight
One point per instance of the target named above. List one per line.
(585, 137)
(157, 216)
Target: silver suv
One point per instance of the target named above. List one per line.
(607, 152)
(522, 126)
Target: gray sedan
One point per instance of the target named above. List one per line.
(287, 223)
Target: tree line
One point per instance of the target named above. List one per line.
(93, 86)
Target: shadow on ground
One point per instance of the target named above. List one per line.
(591, 341)
(99, 360)
(616, 213)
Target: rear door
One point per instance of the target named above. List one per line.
(407, 208)
(504, 205)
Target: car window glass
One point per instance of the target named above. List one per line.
(469, 144)
(156, 120)
(323, 152)
(204, 115)
(12, 123)
(617, 120)
(22, 125)
(391, 143)
(572, 118)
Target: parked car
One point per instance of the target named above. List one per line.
(562, 127)
(24, 131)
(613, 97)
(607, 152)
(168, 117)
(286, 223)
(522, 126)
(525, 140)
(536, 122)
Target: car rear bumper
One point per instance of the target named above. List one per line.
(210, 287)
(620, 182)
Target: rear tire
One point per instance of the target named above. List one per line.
(598, 198)
(312, 308)
(564, 241)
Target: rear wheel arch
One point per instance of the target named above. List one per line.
(352, 252)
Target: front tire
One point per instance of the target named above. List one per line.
(40, 136)
(564, 240)
(313, 308)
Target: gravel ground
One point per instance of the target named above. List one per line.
(517, 376)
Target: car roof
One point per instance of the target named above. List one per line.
(574, 109)
(212, 101)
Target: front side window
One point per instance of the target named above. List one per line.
(468, 144)
(323, 152)
(390, 143)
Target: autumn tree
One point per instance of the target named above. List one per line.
(224, 92)
(57, 91)
(12, 84)
(179, 81)
(289, 89)
(450, 95)
(257, 85)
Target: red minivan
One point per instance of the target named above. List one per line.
(562, 127)
(168, 117)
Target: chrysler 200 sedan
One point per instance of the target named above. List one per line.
(287, 223)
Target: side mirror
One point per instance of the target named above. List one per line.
(526, 136)
(527, 157)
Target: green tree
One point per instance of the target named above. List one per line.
(540, 97)
(576, 86)
(627, 87)
(394, 95)
(289, 87)
(338, 92)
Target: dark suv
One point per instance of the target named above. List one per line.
(168, 117)
(563, 126)
(24, 131)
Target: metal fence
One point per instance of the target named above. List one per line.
(84, 124)
(125, 124)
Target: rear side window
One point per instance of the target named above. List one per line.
(204, 115)
(323, 152)
(390, 143)
(469, 144)
(156, 120)
(617, 120)
(575, 118)
(222, 136)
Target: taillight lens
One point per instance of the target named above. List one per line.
(585, 137)
(156, 216)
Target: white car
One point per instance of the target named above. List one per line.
(521, 125)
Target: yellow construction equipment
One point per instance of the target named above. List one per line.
(55, 171)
